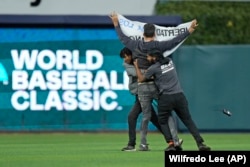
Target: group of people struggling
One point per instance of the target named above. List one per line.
(153, 77)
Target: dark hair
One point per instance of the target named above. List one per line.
(149, 30)
(155, 53)
(126, 51)
(158, 55)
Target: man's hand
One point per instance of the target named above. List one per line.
(193, 26)
(114, 18)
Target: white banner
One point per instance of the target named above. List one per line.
(134, 29)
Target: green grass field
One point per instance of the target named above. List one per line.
(99, 149)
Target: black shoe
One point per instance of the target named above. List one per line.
(129, 148)
(143, 147)
(203, 147)
(171, 147)
(178, 145)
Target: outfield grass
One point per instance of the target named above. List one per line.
(99, 149)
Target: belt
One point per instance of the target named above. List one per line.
(149, 82)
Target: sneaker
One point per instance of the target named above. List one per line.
(203, 147)
(171, 147)
(129, 148)
(143, 147)
(178, 145)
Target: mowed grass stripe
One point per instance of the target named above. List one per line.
(99, 149)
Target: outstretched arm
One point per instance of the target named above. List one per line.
(127, 41)
(169, 44)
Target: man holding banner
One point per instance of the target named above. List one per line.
(147, 90)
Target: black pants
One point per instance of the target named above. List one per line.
(132, 120)
(179, 104)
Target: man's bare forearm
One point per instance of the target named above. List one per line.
(140, 77)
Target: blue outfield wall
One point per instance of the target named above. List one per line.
(216, 78)
(72, 79)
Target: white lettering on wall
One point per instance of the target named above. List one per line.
(63, 80)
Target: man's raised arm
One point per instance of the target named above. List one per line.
(127, 41)
(170, 44)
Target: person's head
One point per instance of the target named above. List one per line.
(154, 55)
(126, 55)
(149, 30)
